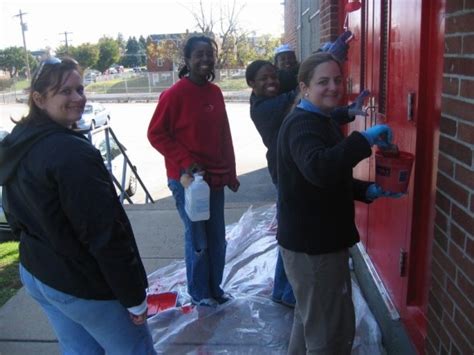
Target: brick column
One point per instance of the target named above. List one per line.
(450, 310)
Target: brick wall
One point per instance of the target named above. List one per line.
(291, 23)
(329, 25)
(450, 309)
(329, 20)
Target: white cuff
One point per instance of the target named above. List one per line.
(137, 310)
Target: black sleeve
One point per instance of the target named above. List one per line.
(341, 115)
(319, 160)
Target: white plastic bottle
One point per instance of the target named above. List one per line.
(196, 199)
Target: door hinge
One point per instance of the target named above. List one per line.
(402, 263)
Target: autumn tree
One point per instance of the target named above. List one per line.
(222, 24)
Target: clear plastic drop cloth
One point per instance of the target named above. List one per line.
(250, 323)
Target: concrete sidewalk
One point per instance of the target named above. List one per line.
(24, 329)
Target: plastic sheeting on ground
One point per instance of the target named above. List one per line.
(250, 323)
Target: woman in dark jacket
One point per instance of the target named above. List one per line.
(78, 256)
(316, 208)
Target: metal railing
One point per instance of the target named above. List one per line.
(127, 164)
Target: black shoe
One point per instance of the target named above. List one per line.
(225, 297)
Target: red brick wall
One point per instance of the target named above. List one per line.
(291, 23)
(329, 20)
(329, 25)
(450, 311)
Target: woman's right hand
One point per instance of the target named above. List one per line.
(186, 180)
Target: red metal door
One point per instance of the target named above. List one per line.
(388, 34)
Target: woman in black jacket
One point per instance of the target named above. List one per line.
(316, 194)
(78, 256)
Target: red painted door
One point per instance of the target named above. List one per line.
(388, 34)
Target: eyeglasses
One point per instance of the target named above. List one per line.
(49, 61)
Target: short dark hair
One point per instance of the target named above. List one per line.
(308, 66)
(253, 68)
(188, 49)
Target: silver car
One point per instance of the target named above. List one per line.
(95, 115)
(117, 162)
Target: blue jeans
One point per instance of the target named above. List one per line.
(204, 245)
(282, 291)
(88, 326)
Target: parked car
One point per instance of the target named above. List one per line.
(117, 162)
(5, 230)
(95, 115)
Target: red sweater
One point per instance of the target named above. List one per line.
(190, 126)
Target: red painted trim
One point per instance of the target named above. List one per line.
(428, 107)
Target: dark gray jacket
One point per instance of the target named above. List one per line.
(316, 190)
(58, 196)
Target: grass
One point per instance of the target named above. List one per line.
(9, 277)
(233, 84)
(141, 84)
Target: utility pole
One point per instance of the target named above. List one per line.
(23, 29)
(65, 33)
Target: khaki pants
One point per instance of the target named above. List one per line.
(324, 321)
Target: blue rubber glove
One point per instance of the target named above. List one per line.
(375, 191)
(356, 109)
(340, 48)
(380, 135)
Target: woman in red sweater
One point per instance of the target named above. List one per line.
(190, 128)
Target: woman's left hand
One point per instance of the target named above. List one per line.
(234, 187)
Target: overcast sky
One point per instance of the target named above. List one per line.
(88, 20)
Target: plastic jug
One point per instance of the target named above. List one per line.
(196, 199)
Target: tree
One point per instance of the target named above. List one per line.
(131, 57)
(86, 54)
(62, 52)
(12, 60)
(121, 43)
(142, 42)
(109, 53)
(225, 29)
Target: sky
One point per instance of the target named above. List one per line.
(89, 20)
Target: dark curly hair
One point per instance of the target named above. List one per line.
(188, 49)
(253, 68)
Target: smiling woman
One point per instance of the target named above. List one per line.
(59, 197)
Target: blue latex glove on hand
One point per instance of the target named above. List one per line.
(340, 48)
(375, 191)
(355, 109)
(380, 135)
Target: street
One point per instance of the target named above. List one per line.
(129, 121)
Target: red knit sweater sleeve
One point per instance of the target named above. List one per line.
(160, 132)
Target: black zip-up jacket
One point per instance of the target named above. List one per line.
(268, 113)
(316, 189)
(75, 235)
